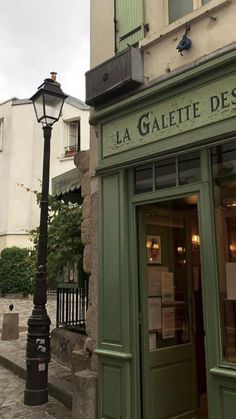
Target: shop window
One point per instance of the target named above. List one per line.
(224, 175)
(189, 168)
(165, 173)
(168, 173)
(144, 179)
(180, 8)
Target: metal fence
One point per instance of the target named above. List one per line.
(72, 303)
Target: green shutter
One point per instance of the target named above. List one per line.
(129, 22)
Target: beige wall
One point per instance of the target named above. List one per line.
(21, 161)
(159, 45)
(101, 31)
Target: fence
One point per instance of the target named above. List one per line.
(72, 303)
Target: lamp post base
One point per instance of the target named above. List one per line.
(37, 357)
(35, 397)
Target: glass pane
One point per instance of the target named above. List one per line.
(53, 106)
(143, 179)
(165, 173)
(179, 8)
(224, 174)
(205, 2)
(73, 134)
(189, 168)
(168, 306)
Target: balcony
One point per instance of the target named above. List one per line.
(71, 150)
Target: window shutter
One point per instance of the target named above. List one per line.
(129, 23)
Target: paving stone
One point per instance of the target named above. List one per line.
(14, 408)
(11, 386)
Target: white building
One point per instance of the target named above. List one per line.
(21, 157)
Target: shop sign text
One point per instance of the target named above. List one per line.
(197, 108)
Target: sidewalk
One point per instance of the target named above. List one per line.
(11, 401)
(12, 353)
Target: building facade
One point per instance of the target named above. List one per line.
(162, 86)
(21, 157)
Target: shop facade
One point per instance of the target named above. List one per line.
(167, 232)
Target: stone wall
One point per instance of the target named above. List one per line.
(89, 236)
(63, 343)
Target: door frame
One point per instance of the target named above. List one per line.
(208, 275)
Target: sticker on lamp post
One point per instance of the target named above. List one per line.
(42, 367)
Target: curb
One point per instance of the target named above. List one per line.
(57, 387)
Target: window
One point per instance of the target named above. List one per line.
(1, 134)
(73, 133)
(223, 159)
(73, 139)
(168, 173)
(180, 8)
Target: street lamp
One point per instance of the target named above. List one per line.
(48, 102)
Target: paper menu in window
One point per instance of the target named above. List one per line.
(167, 287)
(168, 322)
(231, 280)
(154, 313)
(154, 279)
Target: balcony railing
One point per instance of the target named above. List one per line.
(72, 304)
(71, 150)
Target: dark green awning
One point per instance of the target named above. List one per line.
(66, 182)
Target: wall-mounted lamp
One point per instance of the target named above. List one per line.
(195, 240)
(232, 249)
(180, 250)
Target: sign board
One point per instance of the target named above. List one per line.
(199, 107)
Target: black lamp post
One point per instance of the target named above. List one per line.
(48, 102)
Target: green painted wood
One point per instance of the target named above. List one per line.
(228, 403)
(219, 64)
(220, 405)
(113, 354)
(112, 392)
(170, 146)
(114, 329)
(111, 293)
(200, 107)
(129, 23)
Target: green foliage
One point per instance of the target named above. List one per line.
(64, 238)
(16, 270)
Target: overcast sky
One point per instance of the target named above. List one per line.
(40, 36)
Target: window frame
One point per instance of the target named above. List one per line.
(71, 149)
(197, 4)
(167, 28)
(70, 134)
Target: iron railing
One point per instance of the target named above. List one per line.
(72, 304)
(70, 150)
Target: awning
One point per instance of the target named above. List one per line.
(66, 182)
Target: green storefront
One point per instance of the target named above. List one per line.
(167, 298)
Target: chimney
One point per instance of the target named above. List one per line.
(53, 75)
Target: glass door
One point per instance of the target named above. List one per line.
(168, 279)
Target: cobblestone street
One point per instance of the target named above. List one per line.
(11, 386)
(12, 406)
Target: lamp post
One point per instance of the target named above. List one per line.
(48, 102)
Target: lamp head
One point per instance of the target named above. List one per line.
(48, 101)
